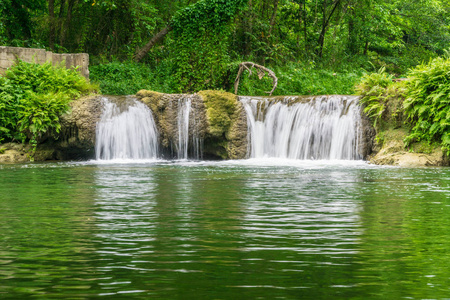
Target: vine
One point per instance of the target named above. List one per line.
(200, 39)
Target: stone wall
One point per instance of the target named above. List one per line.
(9, 55)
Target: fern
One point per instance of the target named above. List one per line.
(427, 103)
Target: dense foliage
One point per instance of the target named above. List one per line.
(373, 89)
(422, 102)
(33, 97)
(428, 102)
(209, 38)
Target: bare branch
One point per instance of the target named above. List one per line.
(261, 73)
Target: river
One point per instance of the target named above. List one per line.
(250, 229)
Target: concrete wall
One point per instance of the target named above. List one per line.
(9, 55)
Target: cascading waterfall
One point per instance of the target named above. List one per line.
(326, 127)
(126, 130)
(187, 127)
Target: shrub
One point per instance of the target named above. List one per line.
(127, 78)
(372, 88)
(33, 97)
(428, 103)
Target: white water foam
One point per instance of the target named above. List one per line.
(324, 128)
(127, 132)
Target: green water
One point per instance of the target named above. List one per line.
(226, 230)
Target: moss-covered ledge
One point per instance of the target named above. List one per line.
(227, 124)
(219, 117)
(22, 153)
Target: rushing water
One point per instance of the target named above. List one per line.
(126, 130)
(227, 230)
(189, 142)
(184, 110)
(325, 127)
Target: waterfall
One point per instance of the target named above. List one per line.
(325, 127)
(188, 135)
(126, 130)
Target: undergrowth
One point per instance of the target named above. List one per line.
(428, 103)
(382, 98)
(421, 102)
(297, 79)
(126, 78)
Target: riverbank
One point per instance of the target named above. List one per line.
(224, 138)
(391, 150)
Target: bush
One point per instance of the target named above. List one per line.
(296, 79)
(428, 103)
(33, 97)
(127, 78)
(373, 88)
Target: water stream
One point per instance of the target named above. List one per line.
(184, 111)
(325, 127)
(126, 131)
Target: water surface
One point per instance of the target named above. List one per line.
(277, 229)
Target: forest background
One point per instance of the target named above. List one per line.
(314, 46)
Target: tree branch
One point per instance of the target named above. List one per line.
(144, 50)
(261, 72)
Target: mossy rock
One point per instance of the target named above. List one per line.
(227, 125)
(220, 107)
(152, 99)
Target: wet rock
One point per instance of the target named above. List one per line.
(393, 152)
(20, 153)
(227, 125)
(78, 129)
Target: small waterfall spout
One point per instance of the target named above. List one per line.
(126, 130)
(188, 129)
(326, 127)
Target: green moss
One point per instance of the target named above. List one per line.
(220, 109)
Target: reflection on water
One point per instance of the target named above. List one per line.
(222, 230)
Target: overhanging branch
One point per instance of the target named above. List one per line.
(261, 73)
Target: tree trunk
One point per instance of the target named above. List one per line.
(66, 24)
(144, 50)
(325, 22)
(51, 16)
(248, 39)
(352, 34)
(274, 16)
(61, 20)
(366, 48)
(305, 28)
(61, 9)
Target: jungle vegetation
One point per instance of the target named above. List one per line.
(314, 46)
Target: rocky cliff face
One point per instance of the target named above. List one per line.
(390, 150)
(78, 128)
(216, 118)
